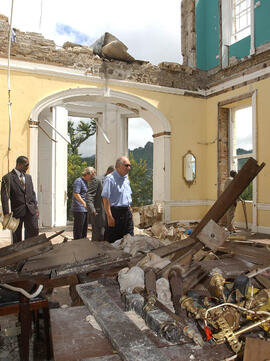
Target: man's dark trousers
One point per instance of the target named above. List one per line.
(30, 227)
(80, 225)
(123, 224)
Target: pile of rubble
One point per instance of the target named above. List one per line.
(199, 282)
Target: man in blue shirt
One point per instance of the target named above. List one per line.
(117, 199)
(78, 206)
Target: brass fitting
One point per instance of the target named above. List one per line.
(217, 281)
(188, 304)
(151, 301)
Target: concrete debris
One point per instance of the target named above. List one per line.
(137, 244)
(150, 214)
(139, 322)
(130, 278)
(91, 319)
(164, 293)
(110, 47)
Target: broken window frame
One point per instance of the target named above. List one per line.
(224, 154)
(229, 35)
(240, 9)
(234, 157)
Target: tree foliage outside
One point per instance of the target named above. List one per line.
(75, 168)
(79, 134)
(247, 193)
(141, 183)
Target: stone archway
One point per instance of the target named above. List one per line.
(136, 105)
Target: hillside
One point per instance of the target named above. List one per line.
(144, 153)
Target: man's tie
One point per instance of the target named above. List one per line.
(21, 177)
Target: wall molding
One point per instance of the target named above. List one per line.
(262, 229)
(189, 203)
(263, 206)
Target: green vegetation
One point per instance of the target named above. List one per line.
(144, 154)
(141, 183)
(79, 134)
(247, 194)
(75, 168)
(76, 163)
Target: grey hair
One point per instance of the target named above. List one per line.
(119, 161)
(88, 170)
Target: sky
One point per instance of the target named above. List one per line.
(243, 118)
(137, 138)
(147, 27)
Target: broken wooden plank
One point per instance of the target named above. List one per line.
(256, 255)
(21, 251)
(63, 254)
(174, 247)
(128, 340)
(256, 349)
(70, 323)
(264, 281)
(229, 267)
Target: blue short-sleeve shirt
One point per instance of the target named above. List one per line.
(80, 186)
(117, 189)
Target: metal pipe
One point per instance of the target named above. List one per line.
(65, 139)
(44, 131)
(250, 327)
(102, 130)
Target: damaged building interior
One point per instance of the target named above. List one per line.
(186, 286)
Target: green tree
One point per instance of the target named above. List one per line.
(247, 193)
(141, 183)
(75, 168)
(80, 134)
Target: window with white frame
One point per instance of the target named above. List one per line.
(241, 141)
(241, 15)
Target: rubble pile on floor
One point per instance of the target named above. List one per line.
(210, 287)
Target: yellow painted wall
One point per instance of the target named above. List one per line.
(188, 212)
(193, 121)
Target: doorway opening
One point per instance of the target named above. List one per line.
(81, 151)
(140, 149)
(111, 112)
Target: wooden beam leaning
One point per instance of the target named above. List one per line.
(245, 176)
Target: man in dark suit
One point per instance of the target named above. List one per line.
(18, 187)
(95, 207)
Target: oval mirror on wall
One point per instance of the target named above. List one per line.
(189, 168)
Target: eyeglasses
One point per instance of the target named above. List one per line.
(127, 165)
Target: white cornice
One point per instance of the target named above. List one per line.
(239, 80)
(68, 73)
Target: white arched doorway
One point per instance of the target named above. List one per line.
(48, 159)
